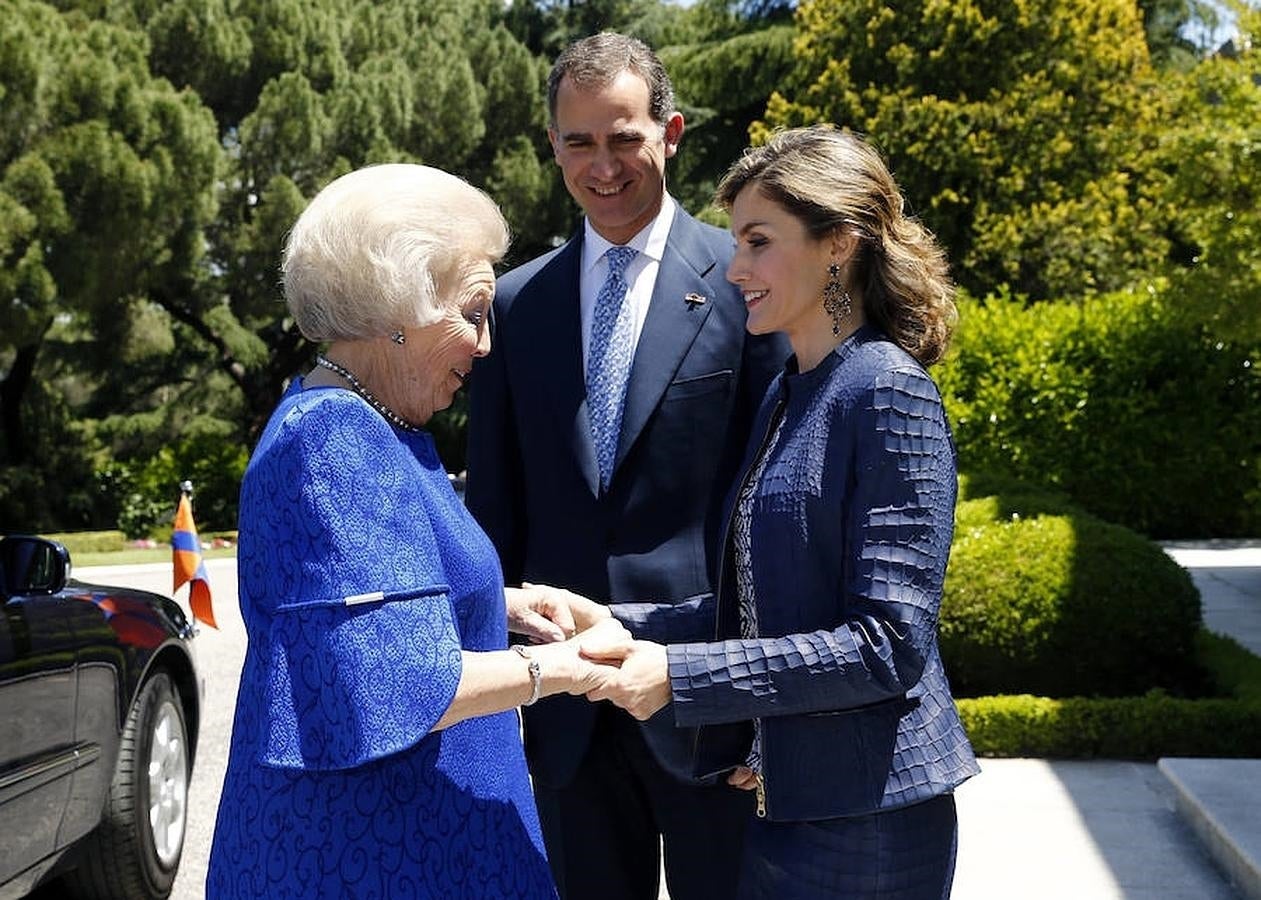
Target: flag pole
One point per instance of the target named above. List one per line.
(186, 559)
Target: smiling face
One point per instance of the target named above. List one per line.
(440, 356)
(613, 155)
(781, 269)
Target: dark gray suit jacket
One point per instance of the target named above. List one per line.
(695, 382)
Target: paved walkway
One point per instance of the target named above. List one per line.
(1228, 574)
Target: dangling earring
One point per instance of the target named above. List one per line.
(398, 338)
(836, 300)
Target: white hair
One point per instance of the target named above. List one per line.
(371, 252)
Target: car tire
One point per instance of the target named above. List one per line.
(135, 851)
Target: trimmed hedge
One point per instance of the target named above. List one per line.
(1235, 672)
(1116, 728)
(1143, 727)
(1123, 402)
(1042, 598)
(90, 541)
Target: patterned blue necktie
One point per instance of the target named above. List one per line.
(609, 359)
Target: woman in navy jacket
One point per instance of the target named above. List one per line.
(815, 677)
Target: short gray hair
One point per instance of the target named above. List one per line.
(593, 62)
(372, 251)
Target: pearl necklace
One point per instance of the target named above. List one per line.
(357, 386)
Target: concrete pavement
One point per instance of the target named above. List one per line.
(1228, 574)
(1219, 798)
(1029, 828)
(1032, 829)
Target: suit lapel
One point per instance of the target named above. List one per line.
(670, 327)
(552, 331)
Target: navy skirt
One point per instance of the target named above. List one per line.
(900, 854)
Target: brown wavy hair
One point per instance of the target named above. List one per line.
(831, 180)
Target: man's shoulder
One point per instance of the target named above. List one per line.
(710, 232)
(544, 266)
(700, 243)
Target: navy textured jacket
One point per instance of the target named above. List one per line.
(851, 527)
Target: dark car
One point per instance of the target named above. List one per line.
(99, 706)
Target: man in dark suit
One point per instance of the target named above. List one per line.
(605, 427)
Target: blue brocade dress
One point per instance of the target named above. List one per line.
(362, 578)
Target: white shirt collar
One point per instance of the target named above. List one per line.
(650, 241)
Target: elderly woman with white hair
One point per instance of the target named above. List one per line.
(374, 752)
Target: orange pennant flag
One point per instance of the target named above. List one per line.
(189, 566)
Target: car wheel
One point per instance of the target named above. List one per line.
(135, 851)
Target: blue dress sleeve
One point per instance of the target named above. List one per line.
(348, 605)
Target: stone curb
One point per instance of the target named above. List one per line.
(1220, 799)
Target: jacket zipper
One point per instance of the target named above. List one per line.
(722, 573)
(762, 805)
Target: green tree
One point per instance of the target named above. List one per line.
(1164, 22)
(306, 91)
(153, 157)
(106, 186)
(1011, 125)
(548, 26)
(722, 80)
(1210, 151)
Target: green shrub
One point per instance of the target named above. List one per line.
(1143, 727)
(989, 497)
(147, 491)
(1233, 670)
(1039, 592)
(140, 514)
(1044, 599)
(1131, 408)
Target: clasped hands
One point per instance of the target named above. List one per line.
(596, 652)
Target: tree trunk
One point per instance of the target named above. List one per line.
(12, 392)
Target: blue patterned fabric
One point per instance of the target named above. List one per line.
(362, 579)
(609, 359)
(850, 530)
(742, 562)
